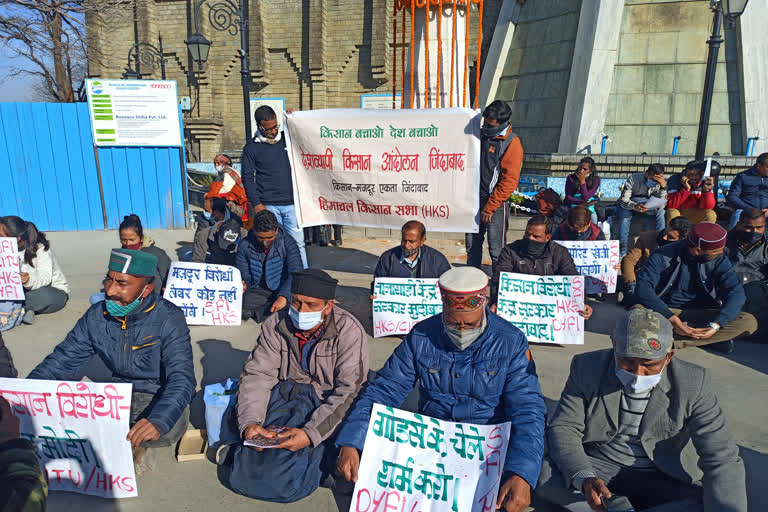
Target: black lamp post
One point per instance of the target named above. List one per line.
(731, 9)
(225, 16)
(148, 54)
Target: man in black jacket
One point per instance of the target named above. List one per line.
(411, 258)
(267, 175)
(535, 255)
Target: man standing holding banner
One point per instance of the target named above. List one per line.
(501, 158)
(472, 367)
(144, 340)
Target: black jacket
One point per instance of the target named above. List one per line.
(432, 264)
(6, 361)
(753, 262)
(556, 261)
(267, 173)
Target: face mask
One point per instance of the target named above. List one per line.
(133, 247)
(493, 131)
(463, 339)
(207, 215)
(534, 249)
(661, 241)
(638, 383)
(305, 320)
(750, 237)
(703, 258)
(118, 310)
(220, 168)
(409, 252)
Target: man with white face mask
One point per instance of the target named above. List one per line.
(472, 366)
(308, 365)
(636, 423)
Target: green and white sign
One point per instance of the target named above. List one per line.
(134, 112)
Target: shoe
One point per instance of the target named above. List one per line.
(222, 452)
(29, 318)
(144, 459)
(724, 347)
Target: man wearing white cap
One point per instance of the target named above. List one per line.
(637, 429)
(472, 367)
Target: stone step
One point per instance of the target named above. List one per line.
(514, 232)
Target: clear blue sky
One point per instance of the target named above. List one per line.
(12, 88)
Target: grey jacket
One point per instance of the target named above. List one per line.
(635, 186)
(683, 430)
(338, 368)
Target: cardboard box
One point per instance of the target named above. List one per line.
(192, 446)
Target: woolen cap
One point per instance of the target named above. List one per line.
(707, 236)
(642, 333)
(463, 288)
(314, 283)
(135, 263)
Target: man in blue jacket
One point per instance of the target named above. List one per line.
(267, 175)
(749, 189)
(266, 259)
(411, 258)
(472, 367)
(144, 340)
(693, 284)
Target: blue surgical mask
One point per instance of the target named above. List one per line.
(207, 215)
(305, 320)
(118, 310)
(638, 383)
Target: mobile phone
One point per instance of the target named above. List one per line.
(617, 504)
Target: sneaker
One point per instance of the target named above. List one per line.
(29, 318)
(724, 347)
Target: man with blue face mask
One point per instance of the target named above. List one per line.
(641, 188)
(143, 339)
(471, 366)
(634, 422)
(308, 365)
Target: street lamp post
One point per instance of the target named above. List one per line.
(231, 17)
(148, 54)
(731, 9)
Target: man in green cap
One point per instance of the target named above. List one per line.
(144, 340)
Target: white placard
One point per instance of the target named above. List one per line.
(596, 260)
(380, 101)
(78, 429)
(208, 294)
(412, 462)
(545, 308)
(382, 168)
(134, 112)
(277, 104)
(10, 270)
(401, 303)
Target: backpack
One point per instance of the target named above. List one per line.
(547, 201)
(275, 474)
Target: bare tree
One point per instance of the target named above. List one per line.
(48, 40)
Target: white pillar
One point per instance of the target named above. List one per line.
(420, 59)
(594, 57)
(753, 57)
(493, 68)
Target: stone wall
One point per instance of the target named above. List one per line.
(537, 70)
(314, 53)
(659, 76)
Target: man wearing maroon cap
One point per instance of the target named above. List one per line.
(695, 287)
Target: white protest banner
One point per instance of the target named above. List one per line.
(381, 168)
(415, 463)
(208, 294)
(596, 261)
(545, 308)
(134, 112)
(402, 303)
(10, 270)
(78, 430)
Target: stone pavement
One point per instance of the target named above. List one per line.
(740, 380)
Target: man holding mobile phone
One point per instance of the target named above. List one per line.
(691, 194)
(635, 422)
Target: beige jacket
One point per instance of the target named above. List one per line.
(639, 254)
(338, 368)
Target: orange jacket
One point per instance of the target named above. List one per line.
(511, 164)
